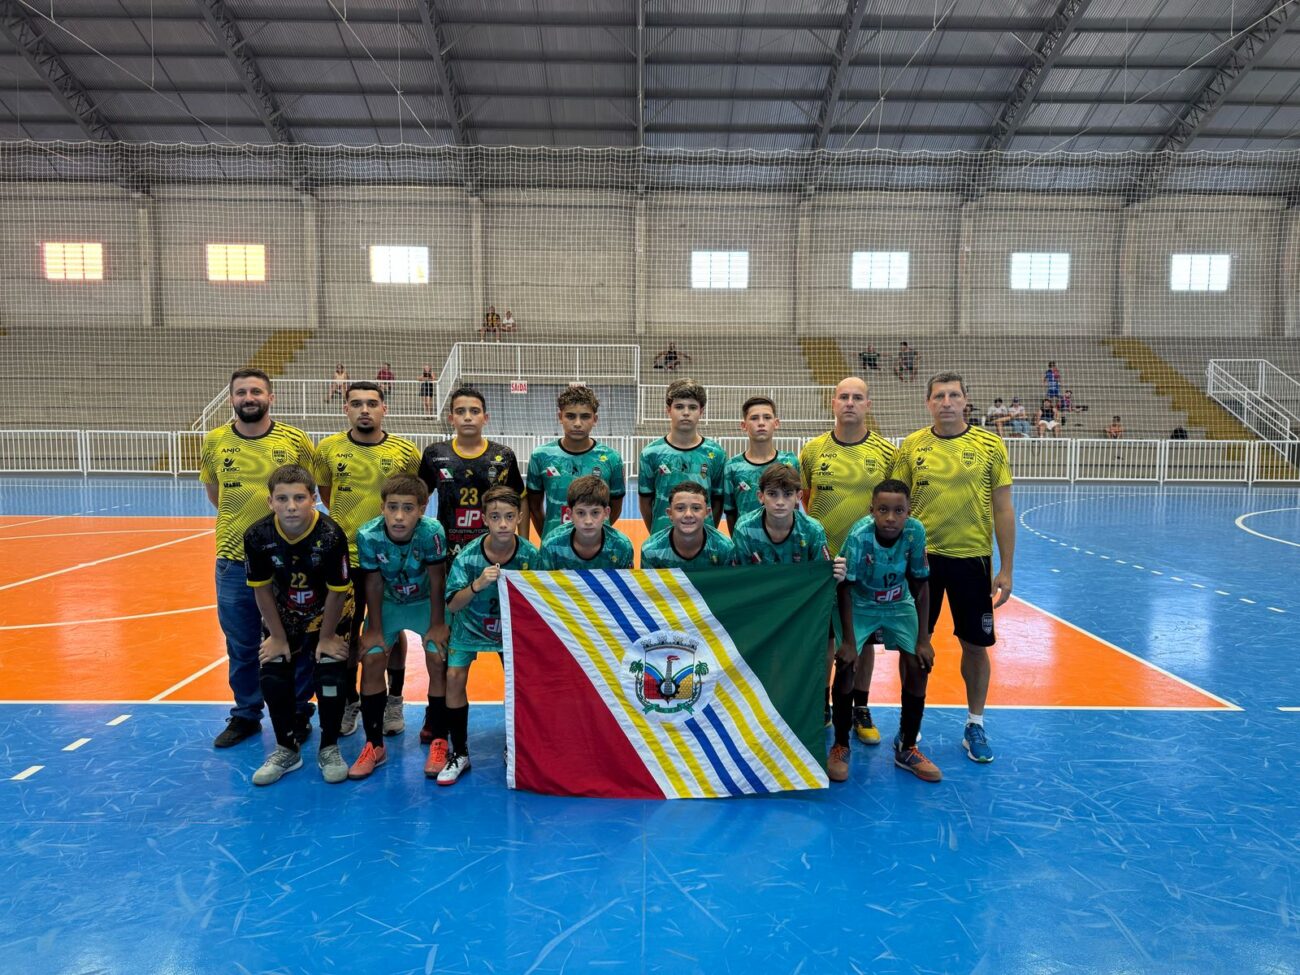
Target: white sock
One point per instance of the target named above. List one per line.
(975, 719)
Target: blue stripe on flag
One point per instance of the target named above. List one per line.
(589, 577)
(707, 747)
(730, 746)
(616, 577)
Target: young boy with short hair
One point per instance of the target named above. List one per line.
(886, 587)
(759, 422)
(476, 620)
(778, 533)
(689, 541)
(404, 555)
(587, 540)
(554, 466)
(297, 564)
(683, 455)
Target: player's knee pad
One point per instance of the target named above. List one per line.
(331, 678)
(276, 679)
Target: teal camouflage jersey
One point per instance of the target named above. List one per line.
(740, 482)
(551, 469)
(404, 565)
(616, 551)
(477, 626)
(663, 466)
(657, 551)
(754, 546)
(879, 572)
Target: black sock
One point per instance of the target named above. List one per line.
(396, 680)
(331, 699)
(276, 680)
(458, 724)
(350, 684)
(860, 698)
(436, 718)
(842, 703)
(909, 724)
(372, 717)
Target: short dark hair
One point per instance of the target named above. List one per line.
(688, 487)
(405, 484)
(578, 396)
(686, 389)
(469, 391)
(589, 489)
(753, 401)
(504, 494)
(997, 400)
(780, 476)
(945, 377)
(367, 386)
(291, 474)
(250, 374)
(891, 485)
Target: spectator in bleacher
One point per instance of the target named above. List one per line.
(426, 389)
(508, 323)
(905, 365)
(491, 324)
(339, 384)
(385, 378)
(998, 417)
(1049, 418)
(869, 360)
(1116, 429)
(1017, 419)
(671, 358)
(1052, 383)
(1179, 433)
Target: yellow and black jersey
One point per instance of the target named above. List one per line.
(301, 571)
(839, 478)
(952, 481)
(239, 467)
(354, 473)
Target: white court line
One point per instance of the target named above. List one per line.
(1146, 663)
(76, 744)
(1289, 709)
(115, 531)
(190, 679)
(107, 619)
(111, 558)
(32, 521)
(1271, 538)
(27, 773)
(118, 720)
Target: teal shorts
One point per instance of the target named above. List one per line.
(463, 658)
(897, 623)
(403, 616)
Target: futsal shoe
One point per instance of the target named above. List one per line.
(898, 740)
(369, 760)
(332, 767)
(278, 764)
(457, 765)
(437, 760)
(426, 732)
(864, 727)
(837, 766)
(351, 714)
(976, 744)
(394, 719)
(913, 761)
(237, 729)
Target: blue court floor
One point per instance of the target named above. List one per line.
(1104, 841)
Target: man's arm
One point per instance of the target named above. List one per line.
(214, 494)
(1004, 527)
(324, 495)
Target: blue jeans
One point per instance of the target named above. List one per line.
(241, 622)
(1020, 426)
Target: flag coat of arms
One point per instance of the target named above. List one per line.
(666, 683)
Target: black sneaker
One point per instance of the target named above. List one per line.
(303, 731)
(237, 729)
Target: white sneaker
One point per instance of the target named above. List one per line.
(351, 715)
(457, 765)
(332, 767)
(279, 762)
(394, 719)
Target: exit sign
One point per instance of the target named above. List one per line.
(518, 385)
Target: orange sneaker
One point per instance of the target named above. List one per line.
(917, 764)
(369, 760)
(437, 759)
(837, 766)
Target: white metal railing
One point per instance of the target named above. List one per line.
(1257, 393)
(177, 452)
(795, 404)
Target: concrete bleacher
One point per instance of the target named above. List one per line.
(1191, 356)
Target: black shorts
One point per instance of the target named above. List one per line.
(426, 389)
(969, 586)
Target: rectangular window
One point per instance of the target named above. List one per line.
(1199, 272)
(719, 269)
(879, 270)
(1037, 271)
(73, 260)
(236, 262)
(399, 265)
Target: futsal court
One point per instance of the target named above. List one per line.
(1140, 815)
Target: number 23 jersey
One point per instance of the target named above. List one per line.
(460, 483)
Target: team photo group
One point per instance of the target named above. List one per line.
(314, 598)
